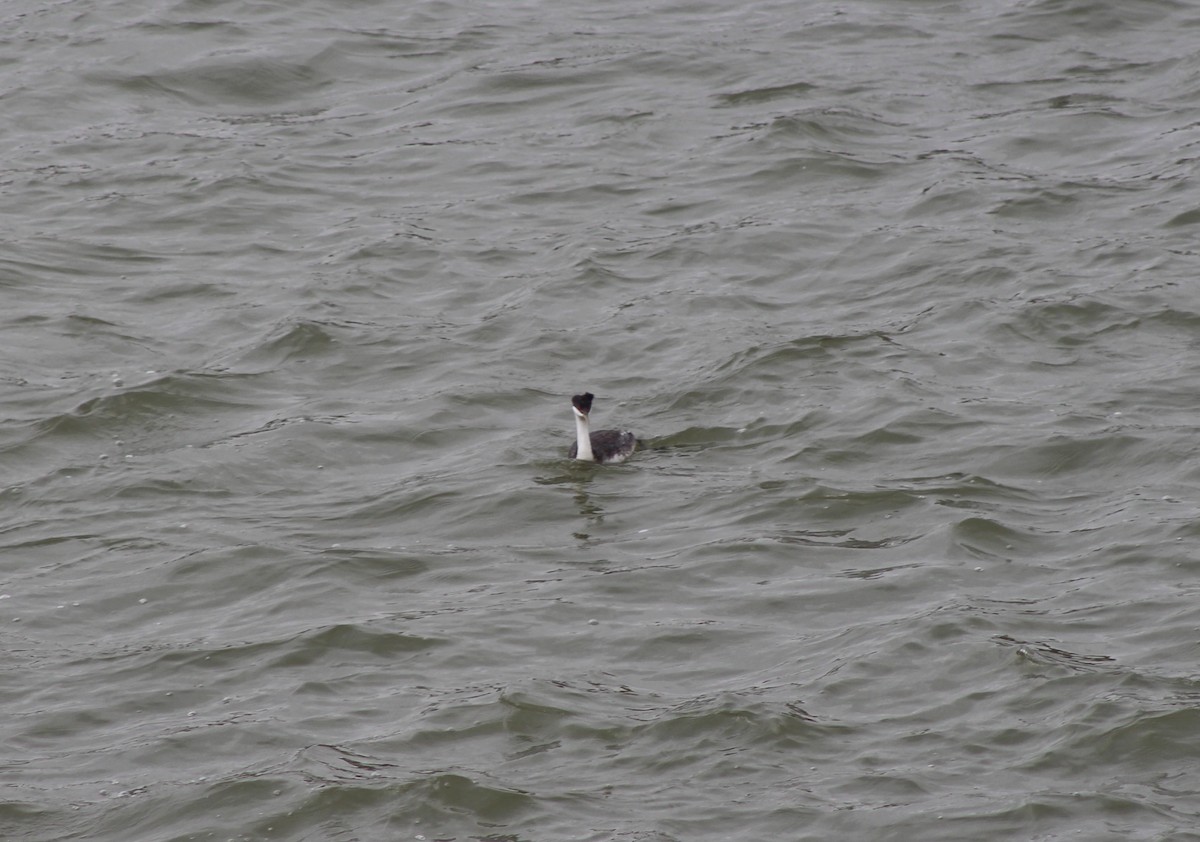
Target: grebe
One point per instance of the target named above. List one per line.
(601, 446)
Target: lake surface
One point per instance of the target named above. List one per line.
(903, 299)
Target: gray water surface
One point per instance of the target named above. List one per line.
(901, 297)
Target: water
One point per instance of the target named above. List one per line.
(901, 297)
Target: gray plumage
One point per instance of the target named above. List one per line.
(609, 445)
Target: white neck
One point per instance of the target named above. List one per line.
(583, 439)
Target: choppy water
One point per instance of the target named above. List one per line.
(902, 296)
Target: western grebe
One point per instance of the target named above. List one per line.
(601, 446)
